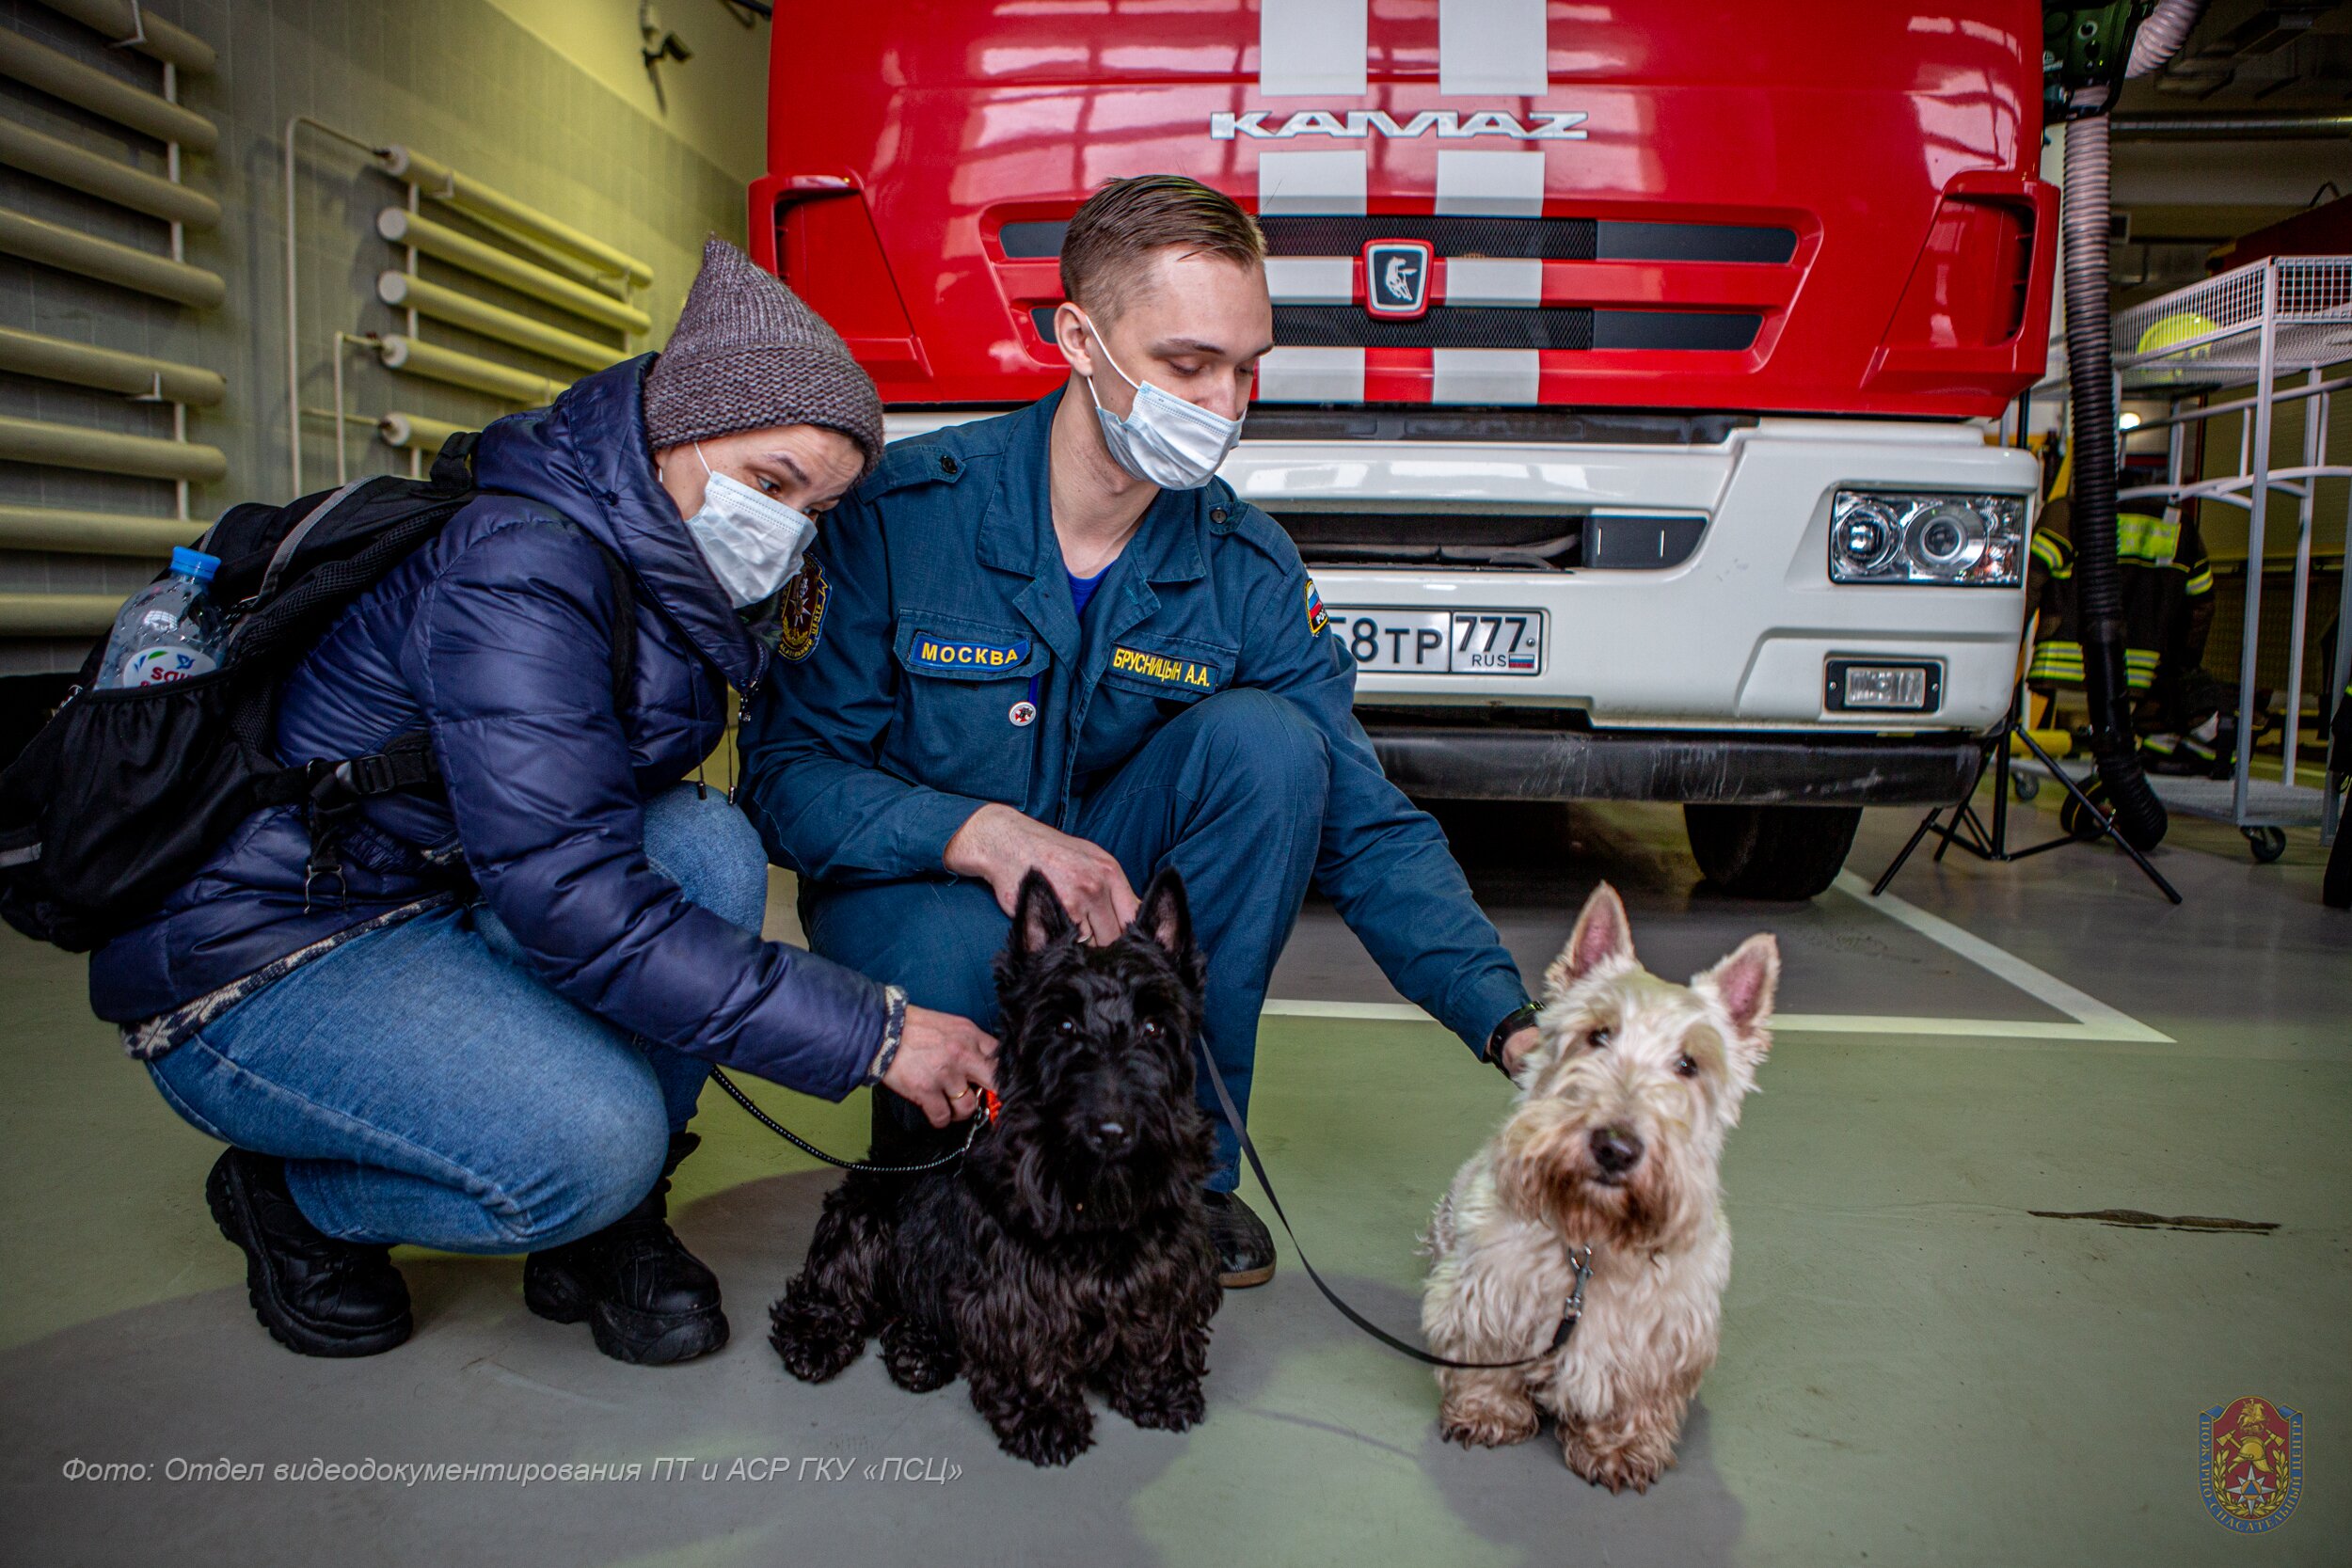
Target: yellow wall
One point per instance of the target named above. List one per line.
(718, 100)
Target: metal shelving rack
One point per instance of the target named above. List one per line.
(2278, 317)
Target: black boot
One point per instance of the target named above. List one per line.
(316, 1295)
(1245, 1249)
(648, 1300)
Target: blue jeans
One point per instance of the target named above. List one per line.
(1229, 792)
(424, 1086)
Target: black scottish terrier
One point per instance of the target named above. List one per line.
(1069, 1249)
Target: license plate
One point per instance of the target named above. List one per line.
(1443, 642)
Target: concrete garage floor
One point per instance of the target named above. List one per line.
(1916, 1370)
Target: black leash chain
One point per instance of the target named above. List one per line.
(980, 1119)
(1580, 1259)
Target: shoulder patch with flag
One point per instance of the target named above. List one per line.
(1317, 618)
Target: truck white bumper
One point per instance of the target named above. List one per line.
(1739, 636)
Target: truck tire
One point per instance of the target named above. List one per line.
(1783, 852)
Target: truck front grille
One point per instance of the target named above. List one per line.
(1502, 540)
(1540, 326)
(1453, 234)
(1553, 327)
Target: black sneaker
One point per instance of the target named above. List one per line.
(316, 1295)
(1244, 1248)
(646, 1300)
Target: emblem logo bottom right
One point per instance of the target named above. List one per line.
(2249, 1462)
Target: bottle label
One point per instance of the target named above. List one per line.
(162, 666)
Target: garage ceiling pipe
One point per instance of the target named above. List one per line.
(131, 25)
(108, 179)
(88, 87)
(444, 243)
(436, 363)
(67, 446)
(405, 292)
(70, 251)
(106, 370)
(51, 527)
(440, 183)
(2230, 127)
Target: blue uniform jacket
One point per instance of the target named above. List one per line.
(496, 636)
(938, 605)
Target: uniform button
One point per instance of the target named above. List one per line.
(611, 497)
(947, 464)
(1217, 513)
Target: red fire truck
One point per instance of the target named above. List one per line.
(1636, 364)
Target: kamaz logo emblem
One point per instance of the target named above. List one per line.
(1356, 125)
(1396, 280)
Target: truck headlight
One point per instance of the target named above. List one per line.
(1950, 541)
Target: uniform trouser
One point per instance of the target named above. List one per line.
(1231, 793)
(424, 1086)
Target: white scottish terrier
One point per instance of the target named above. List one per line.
(1612, 1145)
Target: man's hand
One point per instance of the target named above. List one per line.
(943, 1064)
(1000, 845)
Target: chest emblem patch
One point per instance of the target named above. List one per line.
(1192, 674)
(802, 613)
(943, 653)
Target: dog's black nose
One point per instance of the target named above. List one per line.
(1109, 1136)
(1616, 1150)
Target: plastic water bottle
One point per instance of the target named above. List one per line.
(170, 630)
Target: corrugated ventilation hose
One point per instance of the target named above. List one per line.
(2139, 816)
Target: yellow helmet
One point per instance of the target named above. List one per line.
(2179, 328)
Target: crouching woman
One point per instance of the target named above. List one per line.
(488, 1035)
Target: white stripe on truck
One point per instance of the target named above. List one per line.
(1315, 183)
(1491, 185)
(1315, 47)
(1487, 280)
(1484, 375)
(1489, 47)
(1311, 280)
(1312, 375)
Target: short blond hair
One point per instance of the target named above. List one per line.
(1128, 221)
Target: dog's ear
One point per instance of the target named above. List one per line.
(1164, 916)
(1038, 920)
(1602, 937)
(1744, 983)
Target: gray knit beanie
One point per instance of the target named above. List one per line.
(747, 353)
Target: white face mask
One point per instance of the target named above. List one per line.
(754, 543)
(1171, 443)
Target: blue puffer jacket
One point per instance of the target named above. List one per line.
(498, 635)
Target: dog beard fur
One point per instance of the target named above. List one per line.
(1544, 1170)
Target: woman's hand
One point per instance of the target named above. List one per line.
(1000, 845)
(942, 1063)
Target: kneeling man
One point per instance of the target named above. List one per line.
(1056, 640)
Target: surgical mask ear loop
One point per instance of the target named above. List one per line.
(1096, 333)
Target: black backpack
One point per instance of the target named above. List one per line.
(125, 792)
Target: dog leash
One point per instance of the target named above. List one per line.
(983, 1118)
(1580, 1259)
